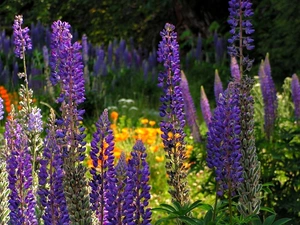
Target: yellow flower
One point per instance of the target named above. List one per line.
(152, 123)
(159, 158)
(144, 121)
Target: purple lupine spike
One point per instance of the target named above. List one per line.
(121, 175)
(60, 40)
(295, 87)
(205, 108)
(241, 28)
(6, 45)
(85, 49)
(172, 113)
(103, 184)
(198, 53)
(219, 48)
(234, 69)
(190, 109)
(145, 69)
(110, 54)
(218, 86)
(1, 109)
(99, 63)
(51, 190)
(267, 68)
(223, 142)
(21, 198)
(46, 57)
(137, 189)
(21, 37)
(35, 123)
(269, 97)
(137, 59)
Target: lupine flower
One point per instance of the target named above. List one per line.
(190, 110)
(249, 190)
(137, 189)
(205, 108)
(46, 57)
(22, 40)
(67, 70)
(234, 68)
(35, 123)
(51, 190)
(241, 28)
(172, 113)
(223, 143)
(295, 87)
(1, 109)
(121, 175)
(198, 53)
(60, 36)
(269, 97)
(218, 86)
(103, 184)
(21, 198)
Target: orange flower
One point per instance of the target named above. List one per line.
(114, 116)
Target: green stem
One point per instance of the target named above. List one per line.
(230, 204)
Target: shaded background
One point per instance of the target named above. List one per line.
(276, 23)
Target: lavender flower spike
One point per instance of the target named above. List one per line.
(218, 86)
(190, 110)
(205, 108)
(269, 98)
(1, 109)
(223, 143)
(172, 113)
(103, 184)
(234, 68)
(241, 28)
(21, 198)
(21, 37)
(35, 123)
(137, 189)
(295, 87)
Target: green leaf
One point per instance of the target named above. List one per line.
(256, 220)
(166, 219)
(208, 216)
(267, 209)
(269, 220)
(281, 221)
(188, 220)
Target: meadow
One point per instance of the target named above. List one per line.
(116, 134)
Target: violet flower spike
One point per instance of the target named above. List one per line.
(137, 189)
(218, 86)
(172, 113)
(190, 109)
(295, 87)
(205, 108)
(1, 109)
(234, 69)
(21, 198)
(103, 184)
(21, 37)
(223, 143)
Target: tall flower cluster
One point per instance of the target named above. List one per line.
(218, 86)
(234, 69)
(190, 110)
(295, 87)
(137, 190)
(269, 96)
(172, 113)
(22, 40)
(223, 143)
(241, 28)
(67, 71)
(103, 184)
(51, 173)
(21, 198)
(205, 108)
